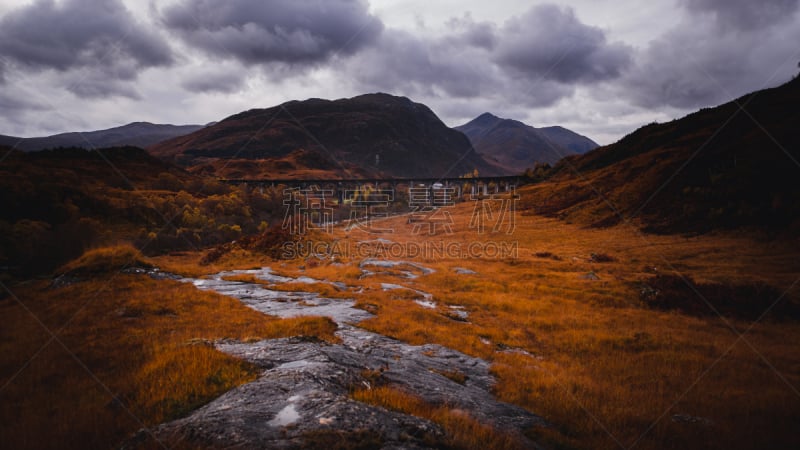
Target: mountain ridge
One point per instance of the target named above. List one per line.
(136, 134)
(716, 168)
(368, 135)
(516, 145)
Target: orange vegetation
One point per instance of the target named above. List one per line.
(87, 364)
(461, 429)
(590, 356)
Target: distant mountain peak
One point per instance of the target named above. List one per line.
(137, 134)
(487, 116)
(517, 145)
(406, 137)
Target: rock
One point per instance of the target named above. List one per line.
(62, 281)
(590, 276)
(686, 418)
(389, 264)
(463, 271)
(304, 389)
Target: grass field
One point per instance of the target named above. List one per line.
(86, 365)
(563, 323)
(588, 354)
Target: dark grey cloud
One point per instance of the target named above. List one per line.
(11, 102)
(78, 34)
(300, 32)
(223, 82)
(453, 66)
(101, 82)
(549, 41)
(534, 59)
(703, 61)
(744, 14)
(476, 34)
(403, 62)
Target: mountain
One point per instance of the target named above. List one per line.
(517, 146)
(369, 135)
(732, 166)
(137, 134)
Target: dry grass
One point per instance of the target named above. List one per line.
(129, 352)
(586, 354)
(462, 430)
(189, 263)
(105, 259)
(601, 366)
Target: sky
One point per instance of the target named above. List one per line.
(600, 68)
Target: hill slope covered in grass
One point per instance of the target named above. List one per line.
(734, 165)
(57, 203)
(517, 146)
(365, 136)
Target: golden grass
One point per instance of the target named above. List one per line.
(188, 263)
(106, 259)
(604, 369)
(462, 430)
(135, 353)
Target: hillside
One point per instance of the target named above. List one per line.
(721, 167)
(368, 135)
(136, 134)
(57, 203)
(517, 146)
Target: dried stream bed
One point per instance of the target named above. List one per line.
(302, 396)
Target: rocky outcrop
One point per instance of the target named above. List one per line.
(303, 392)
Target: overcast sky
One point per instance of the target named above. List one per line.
(600, 68)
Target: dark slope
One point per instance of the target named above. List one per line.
(136, 134)
(721, 167)
(517, 146)
(368, 135)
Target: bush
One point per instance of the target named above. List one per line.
(105, 260)
(601, 258)
(748, 301)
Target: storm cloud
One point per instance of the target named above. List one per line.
(300, 32)
(533, 59)
(215, 81)
(602, 70)
(76, 34)
(744, 14)
(719, 51)
(548, 41)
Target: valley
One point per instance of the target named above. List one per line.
(206, 293)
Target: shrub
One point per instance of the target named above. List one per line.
(747, 301)
(106, 259)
